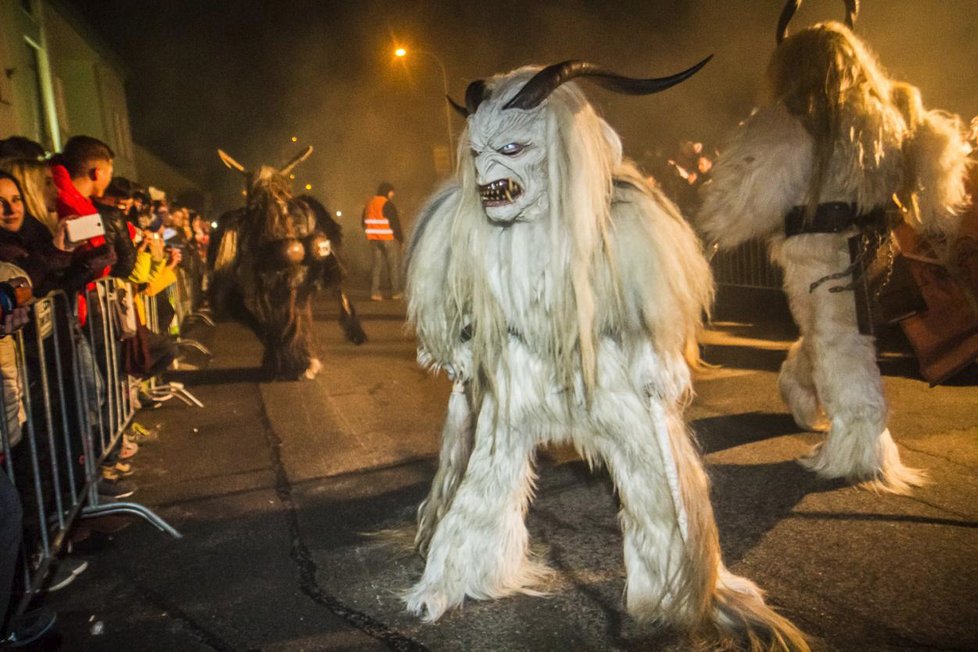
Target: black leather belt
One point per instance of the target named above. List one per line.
(834, 217)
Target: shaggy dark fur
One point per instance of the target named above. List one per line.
(336, 270)
(266, 271)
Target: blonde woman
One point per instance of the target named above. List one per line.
(37, 184)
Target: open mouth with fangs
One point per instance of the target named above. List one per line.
(500, 192)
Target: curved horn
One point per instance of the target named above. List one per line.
(230, 162)
(474, 94)
(791, 6)
(459, 109)
(299, 158)
(787, 13)
(852, 12)
(542, 84)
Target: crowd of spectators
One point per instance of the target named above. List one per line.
(152, 252)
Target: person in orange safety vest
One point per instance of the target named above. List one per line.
(382, 226)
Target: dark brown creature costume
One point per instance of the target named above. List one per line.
(274, 254)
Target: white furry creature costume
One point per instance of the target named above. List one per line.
(558, 290)
(832, 132)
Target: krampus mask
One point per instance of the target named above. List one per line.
(508, 134)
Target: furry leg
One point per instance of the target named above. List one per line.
(349, 321)
(859, 447)
(315, 366)
(672, 551)
(798, 388)
(663, 582)
(456, 446)
(480, 547)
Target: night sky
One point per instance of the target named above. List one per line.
(247, 76)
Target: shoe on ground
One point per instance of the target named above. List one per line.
(65, 573)
(112, 472)
(29, 628)
(110, 475)
(147, 401)
(141, 434)
(376, 297)
(115, 490)
(397, 296)
(129, 449)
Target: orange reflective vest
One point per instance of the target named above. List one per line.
(375, 224)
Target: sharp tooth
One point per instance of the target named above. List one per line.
(509, 197)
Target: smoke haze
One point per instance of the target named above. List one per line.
(247, 76)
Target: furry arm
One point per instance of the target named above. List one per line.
(937, 157)
(761, 173)
(437, 318)
(665, 280)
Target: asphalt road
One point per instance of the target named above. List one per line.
(293, 500)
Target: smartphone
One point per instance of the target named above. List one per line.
(84, 228)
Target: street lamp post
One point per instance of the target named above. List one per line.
(402, 52)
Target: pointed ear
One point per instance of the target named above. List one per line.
(230, 162)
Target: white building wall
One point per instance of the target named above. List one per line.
(55, 83)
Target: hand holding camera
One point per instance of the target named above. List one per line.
(156, 246)
(15, 295)
(176, 255)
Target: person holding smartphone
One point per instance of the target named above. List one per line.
(49, 261)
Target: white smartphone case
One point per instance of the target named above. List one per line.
(84, 228)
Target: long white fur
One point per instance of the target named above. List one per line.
(830, 377)
(571, 327)
(937, 155)
(760, 173)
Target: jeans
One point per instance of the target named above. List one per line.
(386, 253)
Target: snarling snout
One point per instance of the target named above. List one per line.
(500, 192)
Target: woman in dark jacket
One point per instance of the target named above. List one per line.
(28, 244)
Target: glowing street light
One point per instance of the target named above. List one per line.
(339, 213)
(295, 139)
(308, 186)
(402, 53)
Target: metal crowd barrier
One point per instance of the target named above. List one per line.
(73, 424)
(156, 388)
(747, 266)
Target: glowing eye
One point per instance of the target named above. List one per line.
(512, 149)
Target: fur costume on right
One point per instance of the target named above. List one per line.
(833, 132)
(560, 291)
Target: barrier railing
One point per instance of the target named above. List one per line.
(746, 266)
(157, 389)
(78, 403)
